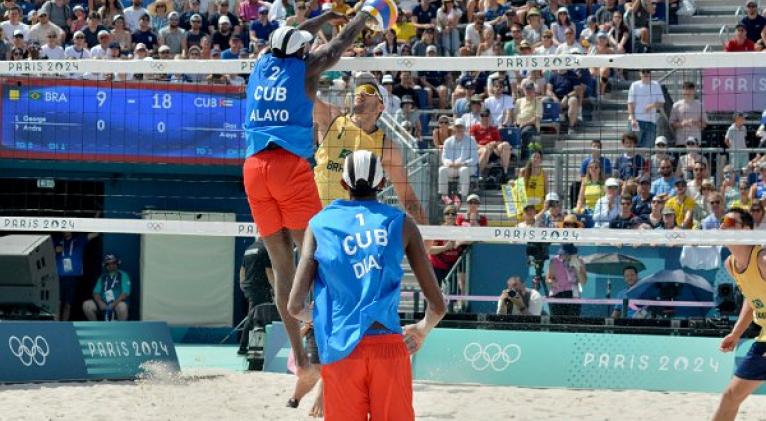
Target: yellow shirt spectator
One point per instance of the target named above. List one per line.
(528, 111)
(405, 31)
(681, 207)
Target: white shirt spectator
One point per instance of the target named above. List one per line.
(686, 110)
(39, 32)
(643, 94)
(498, 106)
(71, 52)
(99, 52)
(392, 104)
(464, 151)
(9, 29)
(55, 53)
(473, 35)
(542, 51)
(471, 119)
(133, 15)
(569, 49)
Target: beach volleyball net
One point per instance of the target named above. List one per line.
(138, 150)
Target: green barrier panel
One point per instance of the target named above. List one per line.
(574, 360)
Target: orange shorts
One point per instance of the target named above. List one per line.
(280, 190)
(375, 381)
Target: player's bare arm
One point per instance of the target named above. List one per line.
(304, 278)
(327, 56)
(396, 172)
(416, 254)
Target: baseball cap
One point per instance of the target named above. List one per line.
(140, 46)
(749, 2)
(458, 122)
(661, 140)
(362, 166)
(174, 15)
(449, 209)
(102, 33)
(115, 46)
(524, 44)
(263, 9)
(680, 180)
(473, 197)
(484, 113)
(164, 48)
(552, 197)
(533, 12)
(387, 79)
(667, 210)
(476, 98)
(224, 19)
(196, 17)
(612, 182)
(691, 140)
(18, 32)
(406, 99)
(644, 179)
(468, 84)
(529, 85)
(111, 258)
(432, 48)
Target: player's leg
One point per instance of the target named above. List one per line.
(390, 378)
(750, 374)
(317, 411)
(735, 393)
(345, 389)
(258, 172)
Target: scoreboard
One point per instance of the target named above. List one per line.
(144, 122)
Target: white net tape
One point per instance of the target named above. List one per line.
(409, 63)
(592, 236)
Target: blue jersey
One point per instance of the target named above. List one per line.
(278, 109)
(359, 252)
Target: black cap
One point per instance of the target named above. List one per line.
(644, 179)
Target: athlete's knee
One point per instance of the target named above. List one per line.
(733, 395)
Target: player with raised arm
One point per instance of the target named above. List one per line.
(352, 257)
(278, 180)
(747, 265)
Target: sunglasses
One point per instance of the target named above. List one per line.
(366, 89)
(553, 203)
(450, 214)
(657, 202)
(79, 37)
(756, 210)
(626, 203)
(715, 202)
(443, 122)
(729, 222)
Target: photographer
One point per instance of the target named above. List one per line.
(518, 300)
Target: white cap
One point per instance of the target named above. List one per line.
(362, 165)
(432, 48)
(289, 40)
(552, 197)
(18, 32)
(224, 19)
(473, 196)
(387, 79)
(661, 140)
(458, 122)
(612, 182)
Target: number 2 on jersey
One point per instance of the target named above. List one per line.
(275, 71)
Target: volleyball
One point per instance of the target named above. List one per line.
(383, 12)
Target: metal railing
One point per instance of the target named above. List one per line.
(460, 272)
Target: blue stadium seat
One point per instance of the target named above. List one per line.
(551, 112)
(578, 12)
(422, 99)
(579, 26)
(595, 7)
(512, 135)
(659, 11)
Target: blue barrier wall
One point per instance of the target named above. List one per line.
(488, 276)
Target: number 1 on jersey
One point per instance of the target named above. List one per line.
(360, 217)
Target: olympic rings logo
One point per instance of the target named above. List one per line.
(676, 60)
(404, 62)
(675, 235)
(29, 350)
(154, 226)
(491, 356)
(155, 65)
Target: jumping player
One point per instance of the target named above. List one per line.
(342, 134)
(278, 128)
(747, 265)
(351, 255)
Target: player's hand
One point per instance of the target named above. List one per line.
(414, 335)
(729, 342)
